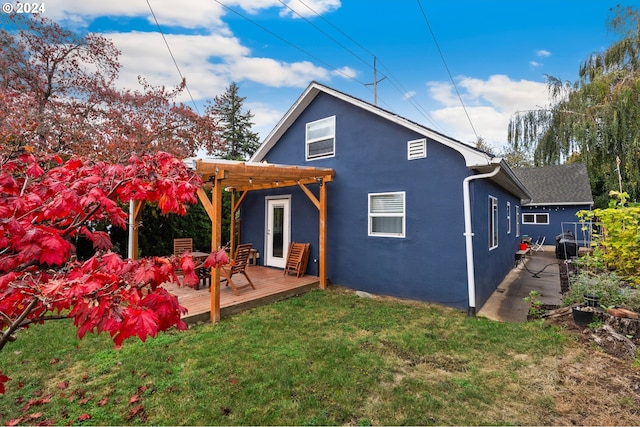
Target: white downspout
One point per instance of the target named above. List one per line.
(468, 233)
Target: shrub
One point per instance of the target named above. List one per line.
(611, 290)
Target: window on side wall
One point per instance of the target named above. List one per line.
(493, 222)
(321, 138)
(508, 217)
(387, 214)
(517, 221)
(535, 218)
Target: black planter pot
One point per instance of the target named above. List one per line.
(592, 300)
(582, 317)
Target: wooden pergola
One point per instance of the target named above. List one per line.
(241, 177)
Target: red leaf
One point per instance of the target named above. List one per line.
(63, 385)
(84, 417)
(14, 422)
(135, 411)
(217, 259)
(113, 262)
(3, 379)
(55, 250)
(135, 398)
(103, 401)
(34, 170)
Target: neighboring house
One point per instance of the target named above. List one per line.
(558, 192)
(411, 212)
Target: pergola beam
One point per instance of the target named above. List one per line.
(245, 177)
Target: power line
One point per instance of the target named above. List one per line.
(172, 57)
(447, 68)
(323, 32)
(394, 81)
(288, 42)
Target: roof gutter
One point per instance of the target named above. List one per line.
(468, 233)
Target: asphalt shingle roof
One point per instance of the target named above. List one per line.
(560, 184)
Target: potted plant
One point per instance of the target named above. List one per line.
(582, 316)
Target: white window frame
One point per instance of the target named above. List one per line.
(508, 217)
(493, 222)
(536, 216)
(388, 215)
(417, 149)
(517, 221)
(331, 122)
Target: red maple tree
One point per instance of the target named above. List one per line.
(45, 203)
(59, 94)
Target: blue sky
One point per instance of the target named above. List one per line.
(496, 52)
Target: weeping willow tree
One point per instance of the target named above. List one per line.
(595, 120)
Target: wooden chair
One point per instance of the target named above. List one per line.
(182, 245)
(297, 259)
(239, 265)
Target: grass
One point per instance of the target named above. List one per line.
(327, 357)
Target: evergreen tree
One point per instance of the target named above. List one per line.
(238, 142)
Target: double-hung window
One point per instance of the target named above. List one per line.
(387, 214)
(321, 138)
(508, 217)
(493, 222)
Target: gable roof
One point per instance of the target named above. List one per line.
(474, 159)
(566, 184)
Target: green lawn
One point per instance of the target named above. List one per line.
(327, 357)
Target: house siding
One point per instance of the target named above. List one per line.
(558, 214)
(492, 265)
(371, 157)
(429, 263)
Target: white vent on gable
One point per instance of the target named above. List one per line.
(417, 149)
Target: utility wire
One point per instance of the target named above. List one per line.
(394, 81)
(324, 32)
(172, 57)
(288, 42)
(447, 68)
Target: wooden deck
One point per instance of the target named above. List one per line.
(271, 285)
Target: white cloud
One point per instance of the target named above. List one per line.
(265, 117)
(345, 72)
(535, 64)
(185, 14)
(542, 53)
(275, 73)
(309, 8)
(408, 95)
(489, 103)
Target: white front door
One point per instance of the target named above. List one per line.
(278, 236)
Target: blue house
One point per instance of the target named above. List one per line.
(557, 194)
(411, 212)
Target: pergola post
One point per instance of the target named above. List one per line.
(322, 270)
(216, 231)
(232, 226)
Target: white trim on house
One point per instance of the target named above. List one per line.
(472, 156)
(417, 149)
(315, 133)
(493, 220)
(390, 205)
(535, 216)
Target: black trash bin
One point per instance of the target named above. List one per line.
(566, 245)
